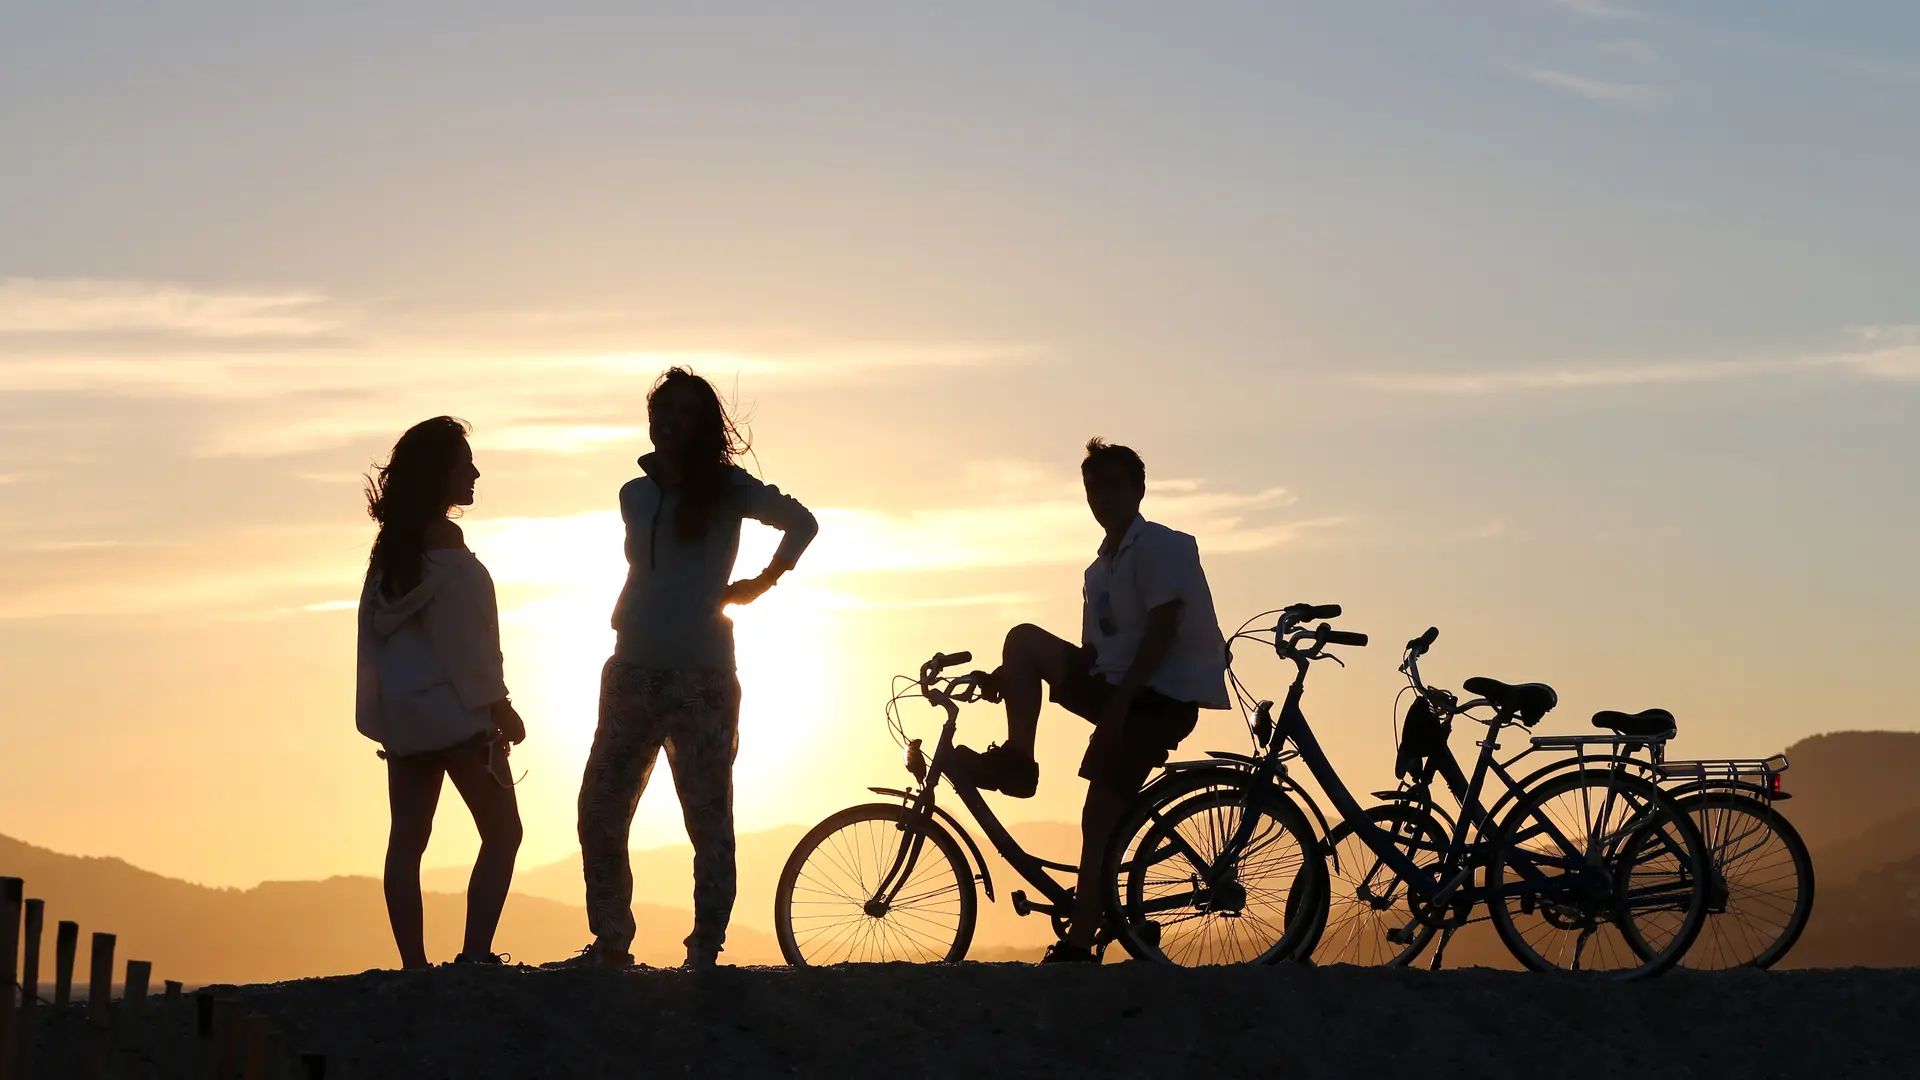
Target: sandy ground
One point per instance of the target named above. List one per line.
(1128, 1020)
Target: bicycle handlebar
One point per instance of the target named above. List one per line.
(1419, 646)
(1342, 637)
(1310, 612)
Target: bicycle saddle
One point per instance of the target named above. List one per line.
(1651, 724)
(1531, 700)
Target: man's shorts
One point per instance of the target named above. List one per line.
(1119, 757)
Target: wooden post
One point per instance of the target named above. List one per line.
(229, 1017)
(133, 1008)
(66, 944)
(100, 1003)
(206, 1061)
(276, 1054)
(174, 988)
(11, 899)
(313, 1067)
(29, 988)
(263, 1043)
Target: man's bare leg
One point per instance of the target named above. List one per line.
(1097, 819)
(1029, 657)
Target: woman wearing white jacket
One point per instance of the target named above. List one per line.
(431, 690)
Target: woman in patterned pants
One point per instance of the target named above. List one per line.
(670, 682)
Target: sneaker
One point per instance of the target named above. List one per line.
(486, 959)
(998, 768)
(594, 956)
(1064, 952)
(701, 957)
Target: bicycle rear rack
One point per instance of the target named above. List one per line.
(1726, 770)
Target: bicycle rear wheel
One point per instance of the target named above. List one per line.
(1175, 894)
(1370, 920)
(1761, 894)
(829, 907)
(1598, 870)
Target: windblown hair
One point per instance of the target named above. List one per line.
(409, 493)
(711, 449)
(1102, 454)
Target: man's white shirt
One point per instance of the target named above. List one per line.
(1151, 566)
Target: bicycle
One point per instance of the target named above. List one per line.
(1760, 874)
(1591, 868)
(1761, 881)
(863, 886)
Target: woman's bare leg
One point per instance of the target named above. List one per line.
(496, 813)
(413, 791)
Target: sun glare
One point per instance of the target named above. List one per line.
(558, 578)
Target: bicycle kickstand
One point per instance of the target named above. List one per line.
(1440, 950)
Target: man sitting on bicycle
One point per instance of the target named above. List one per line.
(1151, 657)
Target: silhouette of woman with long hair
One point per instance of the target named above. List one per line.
(431, 690)
(670, 681)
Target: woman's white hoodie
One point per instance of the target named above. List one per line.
(429, 661)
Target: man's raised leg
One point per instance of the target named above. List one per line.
(1029, 657)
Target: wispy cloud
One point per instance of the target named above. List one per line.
(77, 306)
(1741, 43)
(1601, 9)
(1885, 353)
(1630, 49)
(1592, 89)
(302, 383)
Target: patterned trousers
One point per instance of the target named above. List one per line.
(695, 714)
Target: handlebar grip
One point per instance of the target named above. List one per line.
(1425, 641)
(946, 660)
(1344, 637)
(1323, 611)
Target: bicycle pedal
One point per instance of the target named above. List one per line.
(1021, 905)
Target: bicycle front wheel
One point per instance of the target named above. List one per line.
(1370, 916)
(1598, 870)
(873, 884)
(1187, 886)
(1761, 892)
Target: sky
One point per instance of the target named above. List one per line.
(1587, 331)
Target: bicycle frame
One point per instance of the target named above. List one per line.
(1032, 868)
(1444, 881)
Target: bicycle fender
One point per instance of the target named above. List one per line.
(1397, 796)
(1241, 765)
(979, 860)
(1495, 813)
(1326, 830)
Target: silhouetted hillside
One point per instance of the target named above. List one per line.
(1876, 917)
(294, 929)
(1845, 783)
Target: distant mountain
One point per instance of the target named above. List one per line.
(1846, 783)
(293, 929)
(1872, 921)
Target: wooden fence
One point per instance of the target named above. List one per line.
(139, 1036)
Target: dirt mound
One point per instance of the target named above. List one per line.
(1127, 1020)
